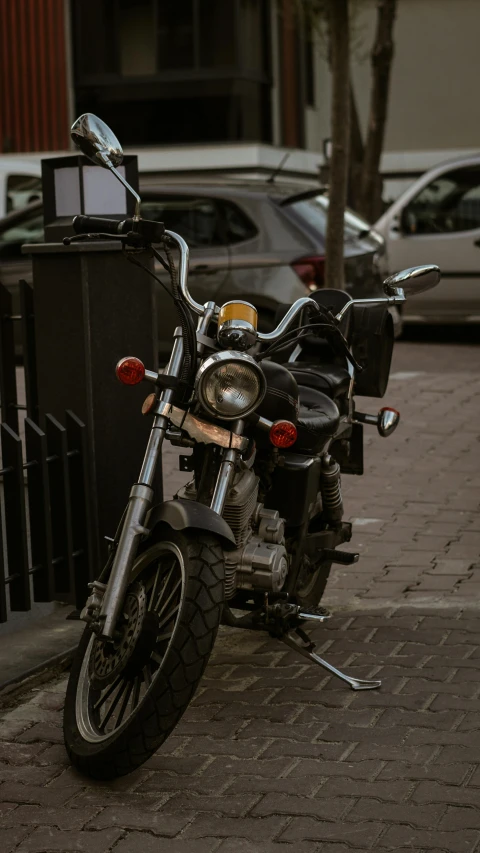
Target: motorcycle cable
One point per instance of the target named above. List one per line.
(340, 342)
(188, 328)
(185, 318)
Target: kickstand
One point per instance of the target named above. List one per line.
(308, 651)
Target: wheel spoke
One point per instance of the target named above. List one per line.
(168, 616)
(136, 692)
(168, 600)
(124, 705)
(114, 704)
(107, 693)
(165, 584)
(147, 676)
(162, 637)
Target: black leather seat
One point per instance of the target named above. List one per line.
(330, 379)
(317, 421)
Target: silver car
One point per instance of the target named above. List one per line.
(260, 241)
(437, 220)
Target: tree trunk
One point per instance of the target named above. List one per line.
(382, 56)
(357, 153)
(338, 20)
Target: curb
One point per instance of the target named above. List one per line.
(35, 675)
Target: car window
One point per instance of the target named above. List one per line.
(449, 203)
(201, 221)
(315, 210)
(22, 190)
(29, 230)
(238, 227)
(196, 219)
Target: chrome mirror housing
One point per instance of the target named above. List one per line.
(413, 280)
(101, 146)
(97, 141)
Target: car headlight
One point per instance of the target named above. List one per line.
(230, 384)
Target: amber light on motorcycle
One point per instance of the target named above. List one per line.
(130, 370)
(283, 434)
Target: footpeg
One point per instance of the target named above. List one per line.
(317, 614)
(346, 558)
(308, 651)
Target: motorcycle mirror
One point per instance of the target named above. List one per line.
(101, 146)
(97, 141)
(413, 280)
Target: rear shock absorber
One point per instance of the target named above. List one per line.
(331, 491)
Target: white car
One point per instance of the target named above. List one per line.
(437, 221)
(20, 184)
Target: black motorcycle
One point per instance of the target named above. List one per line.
(250, 541)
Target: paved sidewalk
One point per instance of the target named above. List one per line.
(276, 756)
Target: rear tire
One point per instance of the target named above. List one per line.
(165, 684)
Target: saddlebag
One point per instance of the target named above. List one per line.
(372, 345)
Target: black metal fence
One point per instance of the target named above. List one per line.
(45, 528)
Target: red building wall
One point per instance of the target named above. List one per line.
(34, 114)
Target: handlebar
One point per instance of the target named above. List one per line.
(146, 231)
(153, 232)
(91, 224)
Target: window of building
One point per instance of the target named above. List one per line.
(136, 38)
(176, 37)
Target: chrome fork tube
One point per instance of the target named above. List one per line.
(140, 501)
(225, 474)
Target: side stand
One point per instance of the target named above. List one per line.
(307, 651)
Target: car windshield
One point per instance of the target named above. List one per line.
(314, 211)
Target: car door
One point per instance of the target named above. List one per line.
(198, 219)
(441, 225)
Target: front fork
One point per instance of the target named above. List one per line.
(140, 501)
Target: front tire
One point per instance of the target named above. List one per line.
(153, 671)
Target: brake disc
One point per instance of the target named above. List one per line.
(109, 659)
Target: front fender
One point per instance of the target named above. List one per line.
(180, 514)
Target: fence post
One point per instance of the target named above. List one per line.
(28, 343)
(81, 509)
(8, 382)
(15, 519)
(39, 512)
(62, 537)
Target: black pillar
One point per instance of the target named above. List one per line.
(92, 307)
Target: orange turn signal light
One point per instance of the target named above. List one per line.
(130, 370)
(283, 434)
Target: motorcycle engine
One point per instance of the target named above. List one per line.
(260, 560)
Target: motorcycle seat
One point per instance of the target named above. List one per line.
(318, 419)
(330, 379)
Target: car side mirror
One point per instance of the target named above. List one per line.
(413, 280)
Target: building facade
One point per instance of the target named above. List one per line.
(182, 72)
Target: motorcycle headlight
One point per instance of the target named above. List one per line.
(230, 384)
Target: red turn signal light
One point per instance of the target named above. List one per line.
(130, 370)
(283, 434)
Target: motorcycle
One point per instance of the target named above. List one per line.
(249, 542)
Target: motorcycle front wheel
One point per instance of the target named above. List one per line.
(125, 698)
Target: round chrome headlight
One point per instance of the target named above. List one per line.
(230, 384)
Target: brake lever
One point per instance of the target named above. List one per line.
(79, 238)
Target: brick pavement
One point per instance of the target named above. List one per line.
(276, 756)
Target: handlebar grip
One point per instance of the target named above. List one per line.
(98, 224)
